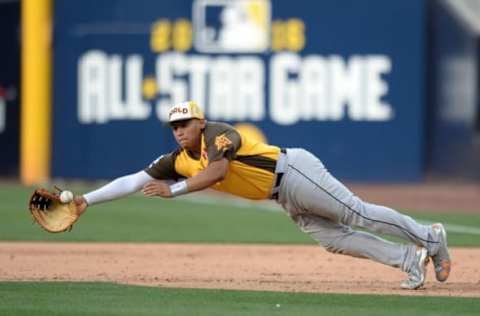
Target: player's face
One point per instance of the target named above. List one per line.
(188, 134)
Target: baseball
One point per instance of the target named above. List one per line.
(66, 196)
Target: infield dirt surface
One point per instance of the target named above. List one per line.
(244, 267)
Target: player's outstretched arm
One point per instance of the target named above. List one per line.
(116, 189)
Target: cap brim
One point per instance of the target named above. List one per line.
(169, 123)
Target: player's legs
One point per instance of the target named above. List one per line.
(339, 238)
(311, 189)
(385, 220)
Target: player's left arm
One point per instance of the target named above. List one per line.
(222, 144)
(215, 172)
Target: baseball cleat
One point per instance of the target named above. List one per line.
(416, 275)
(441, 260)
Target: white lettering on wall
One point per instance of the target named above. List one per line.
(328, 88)
(100, 88)
(198, 72)
(232, 88)
(92, 94)
(346, 89)
(314, 94)
(171, 69)
(284, 94)
(250, 82)
(236, 89)
(377, 110)
(222, 89)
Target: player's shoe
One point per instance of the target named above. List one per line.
(441, 259)
(418, 271)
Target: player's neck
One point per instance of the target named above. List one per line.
(195, 152)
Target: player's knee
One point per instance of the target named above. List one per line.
(339, 244)
(338, 249)
(330, 245)
(332, 249)
(352, 211)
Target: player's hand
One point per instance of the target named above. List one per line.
(157, 188)
(81, 204)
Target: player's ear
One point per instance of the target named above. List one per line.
(203, 122)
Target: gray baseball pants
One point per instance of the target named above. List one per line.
(326, 210)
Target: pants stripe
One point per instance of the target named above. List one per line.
(357, 212)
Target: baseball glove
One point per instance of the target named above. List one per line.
(50, 213)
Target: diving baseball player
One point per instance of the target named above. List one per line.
(215, 155)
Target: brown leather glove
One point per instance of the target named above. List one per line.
(50, 213)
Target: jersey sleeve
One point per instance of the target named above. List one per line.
(222, 141)
(163, 168)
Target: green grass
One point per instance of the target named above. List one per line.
(139, 219)
(110, 299)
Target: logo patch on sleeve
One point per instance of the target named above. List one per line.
(222, 142)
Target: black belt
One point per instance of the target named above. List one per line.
(278, 180)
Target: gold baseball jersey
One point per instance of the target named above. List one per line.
(251, 168)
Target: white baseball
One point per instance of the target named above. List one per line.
(66, 196)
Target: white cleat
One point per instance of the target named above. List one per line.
(418, 271)
(441, 259)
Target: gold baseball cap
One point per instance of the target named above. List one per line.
(185, 111)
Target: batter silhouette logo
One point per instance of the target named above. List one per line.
(231, 26)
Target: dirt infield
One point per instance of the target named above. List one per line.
(246, 267)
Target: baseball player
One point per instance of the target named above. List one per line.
(215, 155)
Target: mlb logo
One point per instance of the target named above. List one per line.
(231, 26)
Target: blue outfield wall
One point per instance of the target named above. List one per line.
(454, 103)
(342, 79)
(9, 87)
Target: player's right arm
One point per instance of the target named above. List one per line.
(116, 189)
(161, 168)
